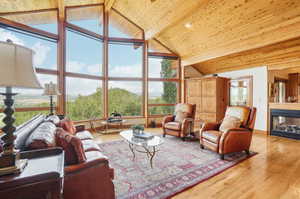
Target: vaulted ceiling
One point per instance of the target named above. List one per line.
(208, 34)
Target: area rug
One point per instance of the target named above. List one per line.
(176, 167)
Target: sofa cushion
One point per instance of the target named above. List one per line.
(74, 152)
(173, 125)
(230, 122)
(67, 125)
(91, 155)
(90, 145)
(212, 136)
(84, 135)
(42, 137)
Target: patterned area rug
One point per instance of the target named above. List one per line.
(177, 166)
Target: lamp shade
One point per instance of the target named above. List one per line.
(51, 89)
(16, 67)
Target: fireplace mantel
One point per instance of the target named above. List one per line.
(286, 106)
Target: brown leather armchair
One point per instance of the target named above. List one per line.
(231, 140)
(180, 124)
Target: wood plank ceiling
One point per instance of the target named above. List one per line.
(212, 35)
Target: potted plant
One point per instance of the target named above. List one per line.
(137, 129)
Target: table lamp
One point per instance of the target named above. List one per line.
(51, 90)
(16, 70)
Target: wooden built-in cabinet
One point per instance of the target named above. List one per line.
(210, 95)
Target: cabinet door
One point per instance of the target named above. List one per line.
(194, 94)
(209, 87)
(209, 104)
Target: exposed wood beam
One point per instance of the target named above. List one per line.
(108, 4)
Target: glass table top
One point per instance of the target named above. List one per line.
(128, 136)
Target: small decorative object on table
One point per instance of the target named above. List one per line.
(138, 132)
(137, 129)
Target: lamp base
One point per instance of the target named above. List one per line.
(18, 168)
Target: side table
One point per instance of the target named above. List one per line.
(42, 178)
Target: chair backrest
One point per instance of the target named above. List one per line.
(247, 115)
(189, 109)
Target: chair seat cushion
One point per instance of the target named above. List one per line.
(212, 136)
(84, 135)
(90, 145)
(173, 125)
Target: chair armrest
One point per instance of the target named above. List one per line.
(210, 126)
(186, 125)
(168, 118)
(79, 128)
(235, 139)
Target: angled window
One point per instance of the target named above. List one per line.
(125, 97)
(83, 54)
(121, 27)
(125, 60)
(164, 68)
(44, 20)
(45, 50)
(84, 98)
(89, 18)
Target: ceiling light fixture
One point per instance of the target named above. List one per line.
(188, 25)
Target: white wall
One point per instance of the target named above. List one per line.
(260, 92)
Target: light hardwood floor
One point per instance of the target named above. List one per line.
(272, 174)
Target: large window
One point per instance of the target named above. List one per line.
(125, 60)
(45, 49)
(30, 102)
(101, 71)
(84, 98)
(125, 97)
(84, 54)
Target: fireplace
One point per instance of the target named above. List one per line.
(285, 123)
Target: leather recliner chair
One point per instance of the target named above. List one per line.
(182, 123)
(234, 139)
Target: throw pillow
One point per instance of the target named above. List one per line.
(73, 148)
(67, 125)
(53, 118)
(230, 122)
(180, 116)
(42, 137)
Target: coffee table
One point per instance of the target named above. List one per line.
(142, 145)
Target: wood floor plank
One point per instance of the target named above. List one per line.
(272, 174)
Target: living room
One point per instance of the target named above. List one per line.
(149, 99)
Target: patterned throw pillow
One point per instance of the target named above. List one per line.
(42, 137)
(180, 116)
(230, 122)
(73, 148)
(67, 125)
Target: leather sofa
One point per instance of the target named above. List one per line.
(233, 139)
(90, 179)
(180, 124)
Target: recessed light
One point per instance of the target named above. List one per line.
(188, 25)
